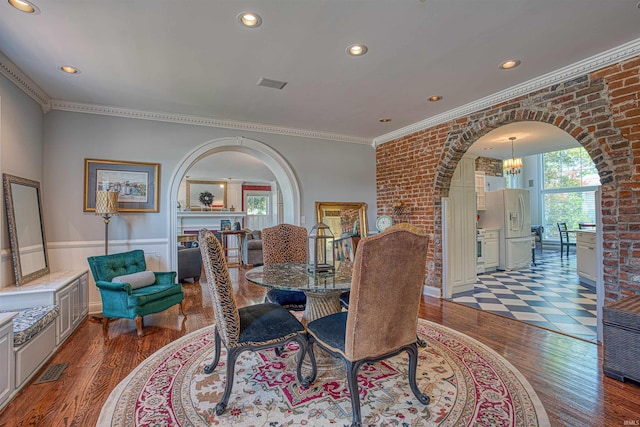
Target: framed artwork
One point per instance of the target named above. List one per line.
(137, 184)
(206, 195)
(345, 219)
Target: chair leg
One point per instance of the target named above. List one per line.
(105, 324)
(352, 369)
(422, 343)
(182, 308)
(232, 355)
(212, 366)
(139, 325)
(413, 365)
(305, 348)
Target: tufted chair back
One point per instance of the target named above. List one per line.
(106, 267)
(225, 309)
(284, 243)
(385, 295)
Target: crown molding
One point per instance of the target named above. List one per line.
(601, 60)
(20, 79)
(201, 121)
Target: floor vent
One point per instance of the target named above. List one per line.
(52, 373)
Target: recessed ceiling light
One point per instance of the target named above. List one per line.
(435, 98)
(24, 6)
(488, 148)
(250, 19)
(357, 49)
(385, 120)
(512, 63)
(69, 69)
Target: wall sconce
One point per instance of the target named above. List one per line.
(320, 257)
(106, 206)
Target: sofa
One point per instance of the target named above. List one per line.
(128, 290)
(189, 263)
(252, 248)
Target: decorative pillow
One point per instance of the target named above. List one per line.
(137, 280)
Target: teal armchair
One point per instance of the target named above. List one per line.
(129, 291)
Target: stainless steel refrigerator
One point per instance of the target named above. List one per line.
(509, 210)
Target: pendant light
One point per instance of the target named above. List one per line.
(512, 166)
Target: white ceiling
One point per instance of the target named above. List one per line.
(193, 57)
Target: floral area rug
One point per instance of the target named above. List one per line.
(469, 385)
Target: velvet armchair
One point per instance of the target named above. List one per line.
(129, 291)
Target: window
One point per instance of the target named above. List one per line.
(569, 182)
(257, 205)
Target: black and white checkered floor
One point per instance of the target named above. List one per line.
(547, 295)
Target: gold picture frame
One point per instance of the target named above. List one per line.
(137, 184)
(217, 188)
(343, 218)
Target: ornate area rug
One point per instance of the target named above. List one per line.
(469, 384)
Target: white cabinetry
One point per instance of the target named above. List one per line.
(480, 178)
(461, 228)
(7, 364)
(586, 256)
(491, 249)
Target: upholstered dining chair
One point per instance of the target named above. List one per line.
(564, 238)
(388, 276)
(285, 243)
(252, 328)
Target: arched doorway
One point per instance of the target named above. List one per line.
(273, 160)
(477, 135)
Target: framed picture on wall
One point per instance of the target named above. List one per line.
(137, 184)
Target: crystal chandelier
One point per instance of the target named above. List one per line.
(512, 166)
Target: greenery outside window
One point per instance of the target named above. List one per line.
(569, 182)
(257, 204)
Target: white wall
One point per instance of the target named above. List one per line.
(326, 171)
(21, 153)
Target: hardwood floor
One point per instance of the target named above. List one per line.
(565, 372)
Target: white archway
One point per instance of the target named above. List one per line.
(273, 160)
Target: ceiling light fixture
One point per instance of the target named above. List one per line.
(512, 166)
(385, 120)
(511, 63)
(250, 19)
(435, 98)
(357, 50)
(69, 69)
(24, 6)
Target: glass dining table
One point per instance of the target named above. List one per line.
(322, 290)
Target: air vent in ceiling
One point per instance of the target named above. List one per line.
(274, 84)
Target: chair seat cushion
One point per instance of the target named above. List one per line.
(29, 321)
(267, 323)
(137, 280)
(291, 300)
(142, 296)
(330, 330)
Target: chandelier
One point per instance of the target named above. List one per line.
(512, 166)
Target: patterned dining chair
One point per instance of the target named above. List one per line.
(252, 328)
(383, 309)
(285, 243)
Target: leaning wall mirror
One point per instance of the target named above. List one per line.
(343, 218)
(23, 204)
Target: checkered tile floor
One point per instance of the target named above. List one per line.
(547, 295)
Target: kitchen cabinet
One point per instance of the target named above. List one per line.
(491, 249)
(461, 228)
(586, 256)
(480, 184)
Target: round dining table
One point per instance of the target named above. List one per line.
(322, 290)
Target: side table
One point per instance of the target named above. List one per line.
(239, 234)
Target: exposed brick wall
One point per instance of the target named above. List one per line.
(600, 110)
(490, 167)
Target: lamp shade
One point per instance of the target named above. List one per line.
(106, 203)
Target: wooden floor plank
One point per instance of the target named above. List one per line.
(565, 372)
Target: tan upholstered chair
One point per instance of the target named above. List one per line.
(285, 243)
(250, 328)
(388, 276)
